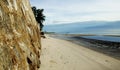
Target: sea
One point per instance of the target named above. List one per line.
(104, 38)
(100, 29)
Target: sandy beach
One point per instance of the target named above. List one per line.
(59, 54)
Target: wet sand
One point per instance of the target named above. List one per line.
(106, 47)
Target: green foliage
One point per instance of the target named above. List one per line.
(39, 16)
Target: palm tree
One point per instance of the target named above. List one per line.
(38, 13)
(40, 17)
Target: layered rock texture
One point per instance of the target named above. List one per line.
(19, 36)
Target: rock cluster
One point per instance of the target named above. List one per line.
(19, 36)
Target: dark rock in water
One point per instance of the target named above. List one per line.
(101, 43)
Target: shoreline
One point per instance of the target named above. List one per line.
(91, 44)
(59, 54)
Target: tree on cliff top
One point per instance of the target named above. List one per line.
(39, 16)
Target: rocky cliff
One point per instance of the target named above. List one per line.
(19, 36)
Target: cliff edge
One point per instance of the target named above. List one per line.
(19, 36)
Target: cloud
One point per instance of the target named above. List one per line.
(79, 10)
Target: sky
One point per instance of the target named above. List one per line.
(68, 11)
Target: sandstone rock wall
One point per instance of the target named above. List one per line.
(19, 36)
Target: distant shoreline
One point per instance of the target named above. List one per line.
(97, 45)
(75, 34)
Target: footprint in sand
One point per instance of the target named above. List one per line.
(52, 61)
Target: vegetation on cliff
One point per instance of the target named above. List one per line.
(39, 16)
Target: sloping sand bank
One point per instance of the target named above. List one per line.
(63, 55)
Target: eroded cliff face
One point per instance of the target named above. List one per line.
(19, 36)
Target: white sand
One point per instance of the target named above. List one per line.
(63, 55)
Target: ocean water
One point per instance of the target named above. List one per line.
(99, 28)
(104, 38)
